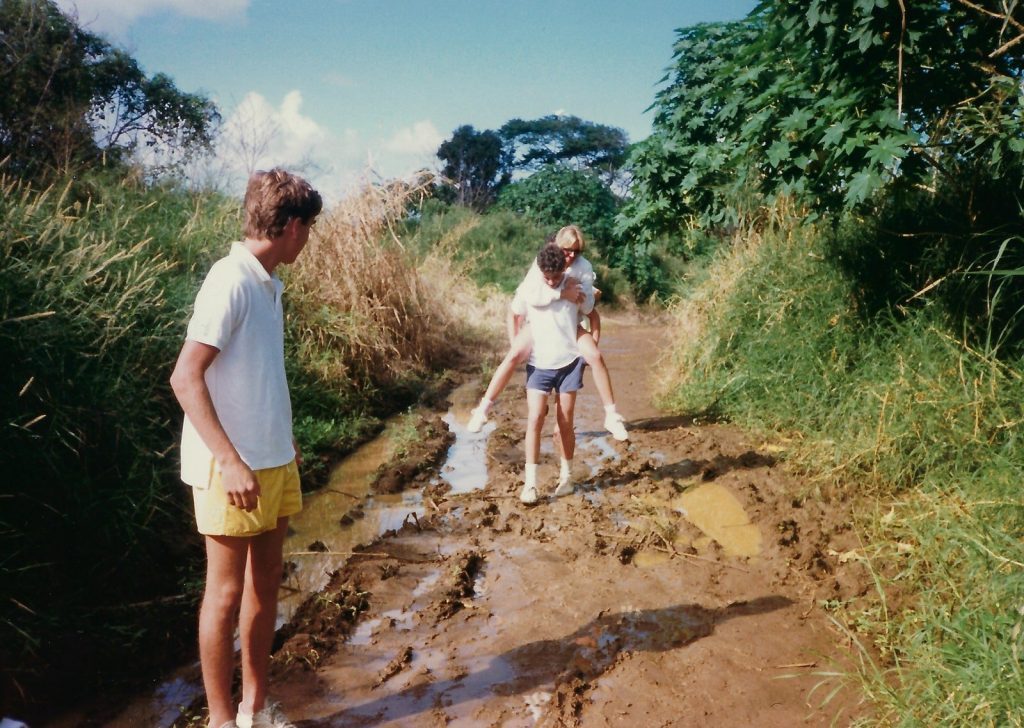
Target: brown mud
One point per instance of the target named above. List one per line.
(680, 585)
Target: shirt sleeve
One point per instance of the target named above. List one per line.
(219, 307)
(518, 305)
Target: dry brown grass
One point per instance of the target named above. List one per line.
(367, 310)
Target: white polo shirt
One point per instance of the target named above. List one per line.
(238, 310)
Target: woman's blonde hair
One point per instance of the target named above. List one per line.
(570, 235)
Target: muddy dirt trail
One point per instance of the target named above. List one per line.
(680, 585)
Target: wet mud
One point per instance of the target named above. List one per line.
(680, 585)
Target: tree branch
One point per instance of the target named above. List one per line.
(1006, 46)
(985, 11)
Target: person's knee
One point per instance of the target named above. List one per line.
(594, 359)
(223, 598)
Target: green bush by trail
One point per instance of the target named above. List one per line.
(891, 403)
(94, 280)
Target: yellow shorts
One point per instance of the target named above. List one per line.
(280, 496)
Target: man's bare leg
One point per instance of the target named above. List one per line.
(565, 413)
(259, 614)
(537, 408)
(225, 582)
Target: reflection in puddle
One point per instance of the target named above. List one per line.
(536, 702)
(424, 586)
(597, 451)
(363, 631)
(172, 695)
(465, 467)
(716, 512)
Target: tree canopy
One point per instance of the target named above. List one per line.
(831, 102)
(70, 97)
(567, 140)
(480, 163)
(474, 162)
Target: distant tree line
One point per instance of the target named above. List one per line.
(553, 171)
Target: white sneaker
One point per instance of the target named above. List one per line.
(613, 422)
(565, 487)
(528, 495)
(270, 717)
(477, 418)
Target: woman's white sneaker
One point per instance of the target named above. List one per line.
(613, 422)
(477, 419)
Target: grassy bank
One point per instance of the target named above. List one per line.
(97, 279)
(896, 407)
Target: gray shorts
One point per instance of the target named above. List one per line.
(566, 379)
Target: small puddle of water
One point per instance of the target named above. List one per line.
(465, 467)
(320, 521)
(716, 512)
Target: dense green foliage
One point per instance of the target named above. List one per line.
(70, 99)
(95, 284)
(850, 106)
(831, 102)
(902, 410)
(557, 195)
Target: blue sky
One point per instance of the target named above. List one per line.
(343, 87)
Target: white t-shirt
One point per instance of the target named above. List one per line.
(553, 325)
(238, 310)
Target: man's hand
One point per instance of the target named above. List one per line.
(572, 291)
(298, 452)
(240, 485)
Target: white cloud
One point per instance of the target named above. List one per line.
(420, 138)
(115, 16)
(259, 135)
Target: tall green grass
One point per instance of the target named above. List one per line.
(93, 279)
(897, 408)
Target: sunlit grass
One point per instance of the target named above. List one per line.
(898, 410)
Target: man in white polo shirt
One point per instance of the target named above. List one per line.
(555, 365)
(237, 450)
